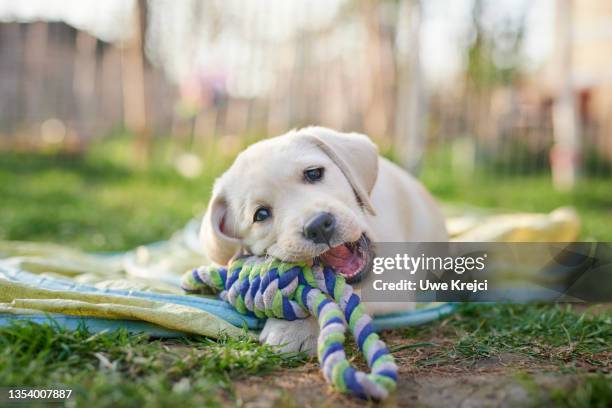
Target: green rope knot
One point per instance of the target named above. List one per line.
(266, 287)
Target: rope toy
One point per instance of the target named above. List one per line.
(271, 288)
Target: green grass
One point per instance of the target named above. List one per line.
(543, 340)
(490, 188)
(99, 201)
(592, 391)
(122, 370)
(588, 391)
(553, 333)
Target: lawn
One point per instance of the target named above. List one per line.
(99, 201)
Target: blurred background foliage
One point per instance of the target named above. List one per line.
(116, 116)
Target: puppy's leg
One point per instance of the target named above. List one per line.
(291, 336)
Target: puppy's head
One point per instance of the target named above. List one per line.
(298, 197)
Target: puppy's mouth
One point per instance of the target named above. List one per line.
(350, 260)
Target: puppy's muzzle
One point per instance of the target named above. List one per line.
(320, 228)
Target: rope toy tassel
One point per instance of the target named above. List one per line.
(270, 288)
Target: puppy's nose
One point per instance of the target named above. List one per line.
(320, 228)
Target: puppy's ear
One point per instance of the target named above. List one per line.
(354, 154)
(219, 245)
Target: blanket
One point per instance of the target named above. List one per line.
(139, 289)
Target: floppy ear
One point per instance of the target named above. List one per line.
(219, 246)
(354, 154)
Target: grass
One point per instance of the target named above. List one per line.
(99, 201)
(118, 369)
(559, 355)
(547, 333)
(588, 391)
(593, 391)
(534, 192)
(81, 200)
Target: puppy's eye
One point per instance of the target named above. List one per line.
(262, 214)
(314, 174)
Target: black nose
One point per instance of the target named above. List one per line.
(320, 228)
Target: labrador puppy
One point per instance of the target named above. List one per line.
(316, 194)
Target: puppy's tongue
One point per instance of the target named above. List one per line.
(344, 261)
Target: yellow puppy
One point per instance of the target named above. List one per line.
(316, 193)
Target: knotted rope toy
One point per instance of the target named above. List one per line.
(270, 288)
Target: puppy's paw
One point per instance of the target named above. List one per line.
(291, 336)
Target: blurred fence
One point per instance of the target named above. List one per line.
(199, 71)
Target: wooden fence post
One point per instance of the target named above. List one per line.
(565, 154)
(411, 108)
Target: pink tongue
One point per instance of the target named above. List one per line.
(342, 260)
